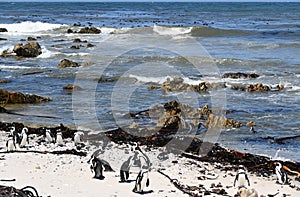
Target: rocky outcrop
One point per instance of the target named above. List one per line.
(72, 87)
(89, 30)
(31, 49)
(3, 30)
(31, 38)
(65, 63)
(3, 39)
(240, 75)
(77, 40)
(177, 84)
(20, 98)
(86, 30)
(215, 121)
(259, 87)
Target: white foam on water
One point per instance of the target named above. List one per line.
(5, 67)
(168, 30)
(46, 53)
(29, 27)
(6, 47)
(145, 79)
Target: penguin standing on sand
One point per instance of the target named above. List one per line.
(49, 136)
(142, 180)
(59, 139)
(24, 137)
(77, 137)
(96, 167)
(241, 177)
(10, 144)
(281, 174)
(125, 167)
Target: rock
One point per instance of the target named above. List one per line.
(243, 192)
(31, 49)
(89, 30)
(31, 38)
(20, 98)
(240, 75)
(65, 63)
(3, 39)
(72, 87)
(250, 124)
(258, 88)
(89, 45)
(78, 40)
(3, 30)
(4, 81)
(70, 31)
(75, 47)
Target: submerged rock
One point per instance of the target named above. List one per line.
(72, 87)
(89, 30)
(20, 98)
(31, 49)
(65, 63)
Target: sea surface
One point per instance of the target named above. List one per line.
(143, 44)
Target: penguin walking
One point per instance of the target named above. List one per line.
(97, 167)
(59, 139)
(125, 167)
(10, 144)
(142, 181)
(281, 174)
(24, 137)
(241, 177)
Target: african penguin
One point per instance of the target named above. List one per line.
(241, 177)
(281, 174)
(24, 137)
(49, 136)
(125, 167)
(97, 168)
(142, 181)
(59, 139)
(77, 137)
(10, 144)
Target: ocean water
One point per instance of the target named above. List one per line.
(145, 43)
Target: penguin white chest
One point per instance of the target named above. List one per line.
(242, 180)
(59, 139)
(24, 140)
(10, 145)
(48, 137)
(77, 138)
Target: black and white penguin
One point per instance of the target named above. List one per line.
(48, 136)
(125, 167)
(241, 177)
(281, 174)
(59, 139)
(142, 181)
(10, 144)
(252, 130)
(77, 137)
(96, 167)
(24, 137)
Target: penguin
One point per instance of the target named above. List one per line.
(281, 174)
(241, 177)
(77, 137)
(142, 181)
(97, 168)
(49, 136)
(24, 137)
(10, 144)
(125, 167)
(59, 139)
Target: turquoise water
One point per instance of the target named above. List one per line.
(231, 37)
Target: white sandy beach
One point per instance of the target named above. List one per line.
(70, 175)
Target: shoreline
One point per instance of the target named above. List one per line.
(69, 175)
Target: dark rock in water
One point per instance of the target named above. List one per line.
(3, 30)
(70, 31)
(75, 47)
(71, 87)
(65, 63)
(20, 98)
(4, 81)
(31, 49)
(3, 39)
(89, 30)
(89, 45)
(240, 75)
(31, 38)
(78, 40)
